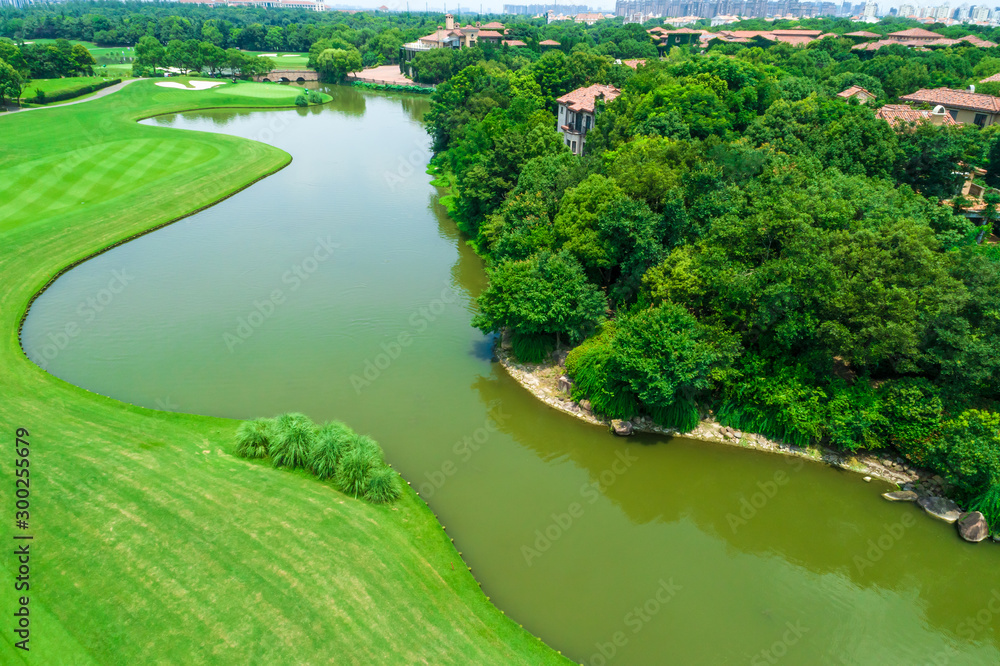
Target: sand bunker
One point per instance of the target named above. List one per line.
(268, 55)
(192, 85)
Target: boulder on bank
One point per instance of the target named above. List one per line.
(565, 384)
(621, 428)
(972, 527)
(941, 508)
(585, 405)
(901, 496)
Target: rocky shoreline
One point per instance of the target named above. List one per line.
(548, 382)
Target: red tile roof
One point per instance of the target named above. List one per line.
(514, 42)
(549, 42)
(914, 32)
(861, 33)
(584, 99)
(976, 41)
(854, 90)
(634, 62)
(489, 33)
(990, 79)
(956, 99)
(493, 25)
(900, 113)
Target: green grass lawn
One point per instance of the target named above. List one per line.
(285, 59)
(152, 543)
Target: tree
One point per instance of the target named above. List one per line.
(929, 160)
(212, 57)
(546, 295)
(576, 225)
(83, 60)
(236, 62)
(11, 82)
(666, 356)
(149, 53)
(334, 64)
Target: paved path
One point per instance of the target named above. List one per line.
(100, 93)
(384, 74)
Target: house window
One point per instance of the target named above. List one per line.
(980, 119)
(953, 113)
(573, 147)
(589, 119)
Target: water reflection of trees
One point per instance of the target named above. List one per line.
(814, 520)
(347, 101)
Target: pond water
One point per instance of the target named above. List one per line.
(339, 287)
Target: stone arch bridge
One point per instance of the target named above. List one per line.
(289, 75)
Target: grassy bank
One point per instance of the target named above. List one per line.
(58, 90)
(152, 542)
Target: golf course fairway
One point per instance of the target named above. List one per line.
(151, 542)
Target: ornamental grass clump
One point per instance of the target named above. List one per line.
(383, 486)
(332, 440)
(355, 470)
(292, 437)
(252, 438)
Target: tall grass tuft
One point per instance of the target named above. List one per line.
(988, 504)
(383, 486)
(253, 438)
(532, 348)
(292, 437)
(331, 442)
(682, 414)
(356, 468)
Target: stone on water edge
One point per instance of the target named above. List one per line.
(621, 428)
(972, 527)
(901, 496)
(941, 508)
(565, 384)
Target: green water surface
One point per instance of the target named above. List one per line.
(338, 287)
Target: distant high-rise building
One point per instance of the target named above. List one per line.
(907, 10)
(870, 10)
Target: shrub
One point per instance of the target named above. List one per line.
(780, 402)
(292, 437)
(383, 486)
(356, 468)
(856, 417)
(331, 442)
(314, 97)
(252, 438)
(592, 367)
(301, 100)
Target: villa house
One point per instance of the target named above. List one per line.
(449, 37)
(964, 106)
(895, 114)
(576, 113)
(858, 93)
